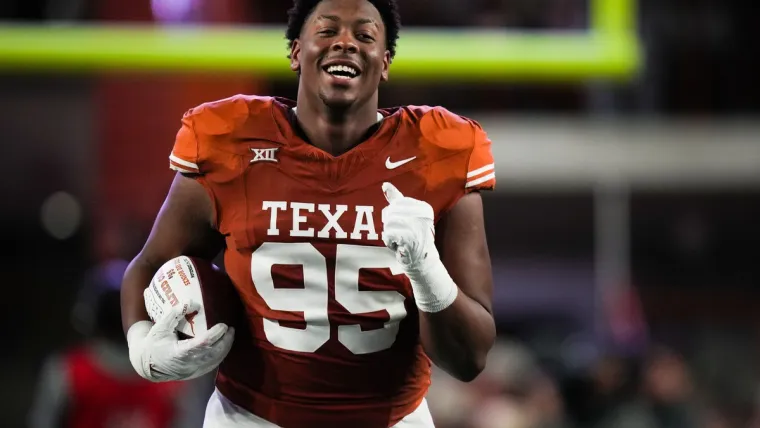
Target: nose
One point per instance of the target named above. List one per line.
(345, 42)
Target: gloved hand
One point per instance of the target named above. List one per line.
(408, 230)
(158, 355)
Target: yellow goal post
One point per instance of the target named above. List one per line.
(608, 49)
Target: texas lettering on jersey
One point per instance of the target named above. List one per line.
(294, 215)
(332, 335)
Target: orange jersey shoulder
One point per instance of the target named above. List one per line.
(206, 139)
(458, 144)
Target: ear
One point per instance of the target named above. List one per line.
(386, 66)
(295, 53)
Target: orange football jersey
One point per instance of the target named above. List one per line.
(333, 329)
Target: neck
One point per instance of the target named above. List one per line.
(335, 130)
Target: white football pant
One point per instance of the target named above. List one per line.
(222, 413)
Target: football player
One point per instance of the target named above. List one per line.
(354, 236)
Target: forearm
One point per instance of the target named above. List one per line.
(137, 277)
(459, 337)
(456, 330)
(452, 292)
(184, 226)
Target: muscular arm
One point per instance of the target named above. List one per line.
(184, 226)
(459, 337)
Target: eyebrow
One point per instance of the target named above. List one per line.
(335, 18)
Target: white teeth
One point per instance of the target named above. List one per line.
(342, 68)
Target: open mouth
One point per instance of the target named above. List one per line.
(343, 72)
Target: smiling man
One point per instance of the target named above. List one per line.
(354, 236)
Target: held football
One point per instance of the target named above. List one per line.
(184, 279)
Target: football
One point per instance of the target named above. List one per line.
(184, 279)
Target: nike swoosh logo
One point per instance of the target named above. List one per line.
(394, 165)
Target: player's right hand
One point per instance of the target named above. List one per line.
(158, 355)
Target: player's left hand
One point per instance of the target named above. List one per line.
(408, 229)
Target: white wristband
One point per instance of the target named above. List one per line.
(135, 338)
(433, 288)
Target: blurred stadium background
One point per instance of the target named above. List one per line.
(624, 230)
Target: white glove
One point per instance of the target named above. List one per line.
(158, 355)
(409, 231)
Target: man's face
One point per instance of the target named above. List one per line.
(341, 53)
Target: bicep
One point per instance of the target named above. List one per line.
(461, 240)
(184, 225)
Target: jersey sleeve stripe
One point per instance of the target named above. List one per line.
(480, 180)
(181, 162)
(182, 169)
(480, 170)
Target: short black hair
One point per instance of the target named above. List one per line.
(388, 9)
